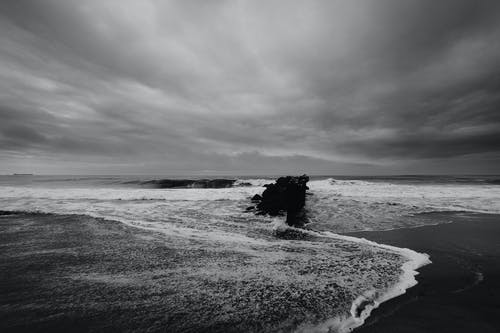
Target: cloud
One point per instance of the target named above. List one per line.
(241, 86)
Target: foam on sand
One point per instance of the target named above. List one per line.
(369, 300)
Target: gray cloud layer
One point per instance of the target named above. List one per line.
(389, 86)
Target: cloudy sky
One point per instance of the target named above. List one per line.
(249, 87)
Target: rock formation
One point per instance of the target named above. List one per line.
(286, 195)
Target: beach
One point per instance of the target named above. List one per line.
(122, 253)
(459, 291)
(83, 274)
(78, 273)
(250, 167)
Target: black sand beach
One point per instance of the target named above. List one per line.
(42, 286)
(60, 273)
(77, 273)
(459, 291)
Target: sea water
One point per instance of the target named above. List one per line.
(215, 220)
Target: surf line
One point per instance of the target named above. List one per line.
(365, 303)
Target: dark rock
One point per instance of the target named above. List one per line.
(287, 194)
(256, 197)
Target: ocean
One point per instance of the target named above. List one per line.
(342, 277)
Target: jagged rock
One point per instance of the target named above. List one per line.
(256, 197)
(286, 195)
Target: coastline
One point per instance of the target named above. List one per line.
(460, 291)
(370, 300)
(93, 253)
(75, 272)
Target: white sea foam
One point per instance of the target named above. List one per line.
(259, 182)
(476, 198)
(216, 219)
(103, 193)
(347, 205)
(371, 299)
(342, 205)
(376, 297)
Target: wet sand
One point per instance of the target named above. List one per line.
(459, 291)
(77, 273)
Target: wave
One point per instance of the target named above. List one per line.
(206, 183)
(369, 300)
(136, 181)
(259, 182)
(365, 205)
(425, 179)
(227, 181)
(133, 181)
(53, 195)
(189, 183)
(200, 183)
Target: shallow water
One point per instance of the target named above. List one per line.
(459, 291)
(214, 220)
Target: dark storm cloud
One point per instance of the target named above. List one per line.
(430, 146)
(244, 86)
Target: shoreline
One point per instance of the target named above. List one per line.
(459, 292)
(61, 272)
(381, 312)
(369, 301)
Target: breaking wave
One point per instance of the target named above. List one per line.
(347, 205)
(201, 183)
(186, 183)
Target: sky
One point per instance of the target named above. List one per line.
(250, 87)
